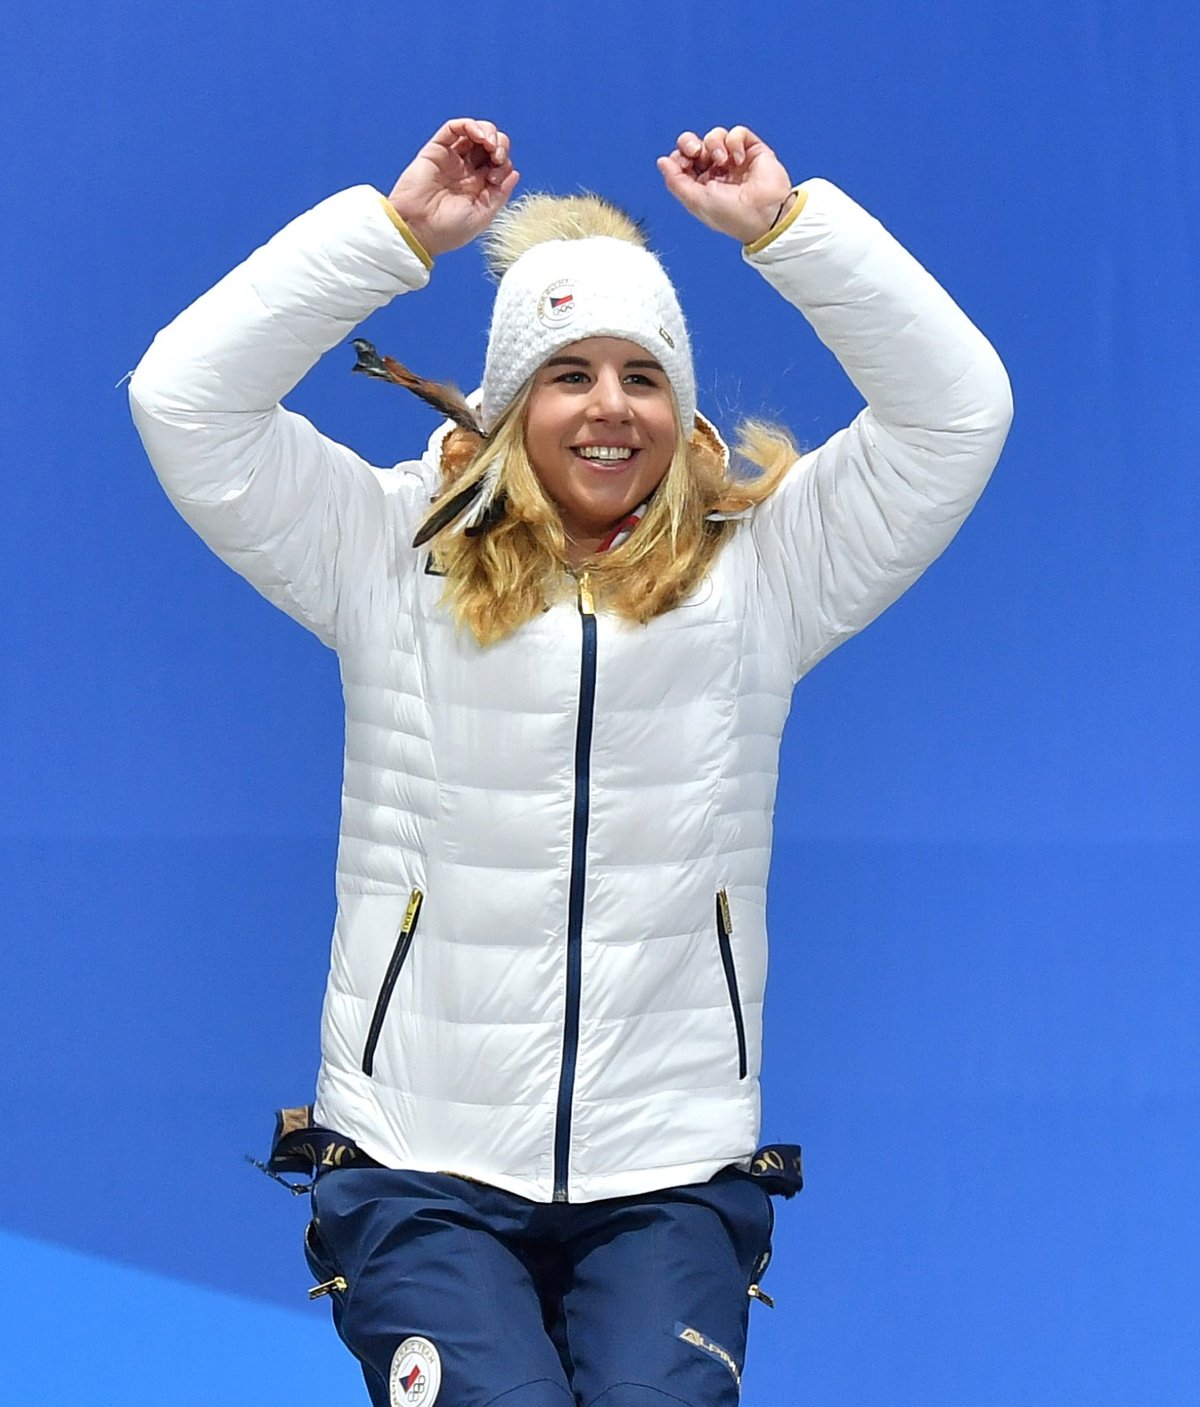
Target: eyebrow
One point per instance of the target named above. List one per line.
(642, 363)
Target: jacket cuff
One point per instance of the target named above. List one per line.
(780, 225)
(409, 238)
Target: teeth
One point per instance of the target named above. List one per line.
(604, 452)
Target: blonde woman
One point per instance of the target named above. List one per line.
(568, 638)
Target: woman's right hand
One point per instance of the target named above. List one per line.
(456, 184)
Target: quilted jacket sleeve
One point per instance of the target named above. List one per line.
(855, 522)
(295, 513)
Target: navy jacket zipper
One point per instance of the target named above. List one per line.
(724, 930)
(579, 833)
(403, 942)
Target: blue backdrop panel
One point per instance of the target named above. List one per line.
(984, 983)
(81, 1330)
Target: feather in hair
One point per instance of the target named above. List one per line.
(439, 394)
(471, 510)
(447, 511)
(489, 506)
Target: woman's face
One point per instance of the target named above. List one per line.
(600, 431)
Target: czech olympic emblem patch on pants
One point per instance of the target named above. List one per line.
(416, 1374)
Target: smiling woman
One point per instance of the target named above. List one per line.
(601, 429)
(537, 1117)
(587, 388)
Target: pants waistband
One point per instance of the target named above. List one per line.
(303, 1148)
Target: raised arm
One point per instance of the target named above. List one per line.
(294, 512)
(855, 522)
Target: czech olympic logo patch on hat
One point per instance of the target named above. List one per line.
(416, 1374)
(556, 306)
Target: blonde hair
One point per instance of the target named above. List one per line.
(499, 578)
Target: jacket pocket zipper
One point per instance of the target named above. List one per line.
(724, 931)
(336, 1284)
(403, 942)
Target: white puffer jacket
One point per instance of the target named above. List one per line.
(549, 958)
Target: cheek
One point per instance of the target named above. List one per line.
(545, 425)
(666, 436)
(663, 424)
(538, 436)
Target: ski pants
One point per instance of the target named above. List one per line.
(449, 1291)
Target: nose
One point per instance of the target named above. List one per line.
(609, 400)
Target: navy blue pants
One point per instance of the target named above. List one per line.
(462, 1294)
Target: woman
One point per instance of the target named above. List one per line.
(542, 1028)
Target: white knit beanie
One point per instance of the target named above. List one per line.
(558, 291)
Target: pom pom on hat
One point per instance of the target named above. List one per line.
(536, 218)
(573, 267)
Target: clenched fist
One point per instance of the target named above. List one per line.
(456, 184)
(730, 179)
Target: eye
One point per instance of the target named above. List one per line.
(572, 378)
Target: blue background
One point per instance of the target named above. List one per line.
(983, 1001)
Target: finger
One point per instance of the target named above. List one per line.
(714, 143)
(755, 145)
(494, 198)
(484, 133)
(485, 149)
(468, 138)
(737, 140)
(500, 155)
(679, 181)
(689, 144)
(678, 172)
(457, 128)
(464, 138)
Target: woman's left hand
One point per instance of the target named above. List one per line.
(729, 178)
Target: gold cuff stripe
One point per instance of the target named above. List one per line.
(777, 229)
(409, 238)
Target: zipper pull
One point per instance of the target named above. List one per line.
(755, 1293)
(328, 1287)
(726, 917)
(410, 914)
(587, 603)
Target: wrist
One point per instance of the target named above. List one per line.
(772, 215)
(413, 210)
(416, 239)
(785, 206)
(789, 209)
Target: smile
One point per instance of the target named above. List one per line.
(604, 454)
